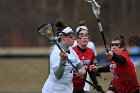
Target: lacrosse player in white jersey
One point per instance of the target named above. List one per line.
(61, 71)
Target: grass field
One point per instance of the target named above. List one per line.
(28, 75)
(22, 75)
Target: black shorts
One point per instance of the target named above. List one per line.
(137, 91)
(111, 87)
(78, 91)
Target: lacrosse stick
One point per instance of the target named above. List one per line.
(96, 11)
(46, 30)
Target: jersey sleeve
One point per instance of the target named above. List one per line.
(93, 58)
(73, 57)
(55, 58)
(92, 46)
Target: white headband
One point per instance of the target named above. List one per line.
(67, 30)
(81, 27)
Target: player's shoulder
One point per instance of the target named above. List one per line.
(55, 50)
(89, 49)
(90, 44)
(124, 54)
(74, 47)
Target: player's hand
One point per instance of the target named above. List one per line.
(109, 54)
(93, 68)
(81, 72)
(63, 56)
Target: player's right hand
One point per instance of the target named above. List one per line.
(63, 56)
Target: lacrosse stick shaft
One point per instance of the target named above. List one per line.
(58, 45)
(102, 33)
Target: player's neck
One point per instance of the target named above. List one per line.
(81, 49)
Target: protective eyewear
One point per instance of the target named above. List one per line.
(71, 35)
(115, 44)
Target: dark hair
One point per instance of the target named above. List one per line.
(61, 27)
(121, 39)
(82, 23)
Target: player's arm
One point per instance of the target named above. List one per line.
(81, 69)
(104, 69)
(59, 70)
(100, 69)
(118, 58)
(93, 75)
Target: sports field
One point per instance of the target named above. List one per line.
(27, 75)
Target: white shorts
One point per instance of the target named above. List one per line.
(87, 86)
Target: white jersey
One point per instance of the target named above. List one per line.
(90, 45)
(63, 85)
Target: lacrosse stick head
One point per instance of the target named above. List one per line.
(95, 7)
(46, 30)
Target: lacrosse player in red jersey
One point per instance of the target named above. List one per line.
(124, 75)
(87, 57)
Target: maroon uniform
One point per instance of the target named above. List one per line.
(124, 79)
(87, 57)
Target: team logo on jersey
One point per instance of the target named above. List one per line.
(85, 61)
(112, 65)
(83, 58)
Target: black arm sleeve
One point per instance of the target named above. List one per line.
(104, 69)
(92, 75)
(118, 58)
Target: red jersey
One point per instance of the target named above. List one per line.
(124, 79)
(87, 57)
